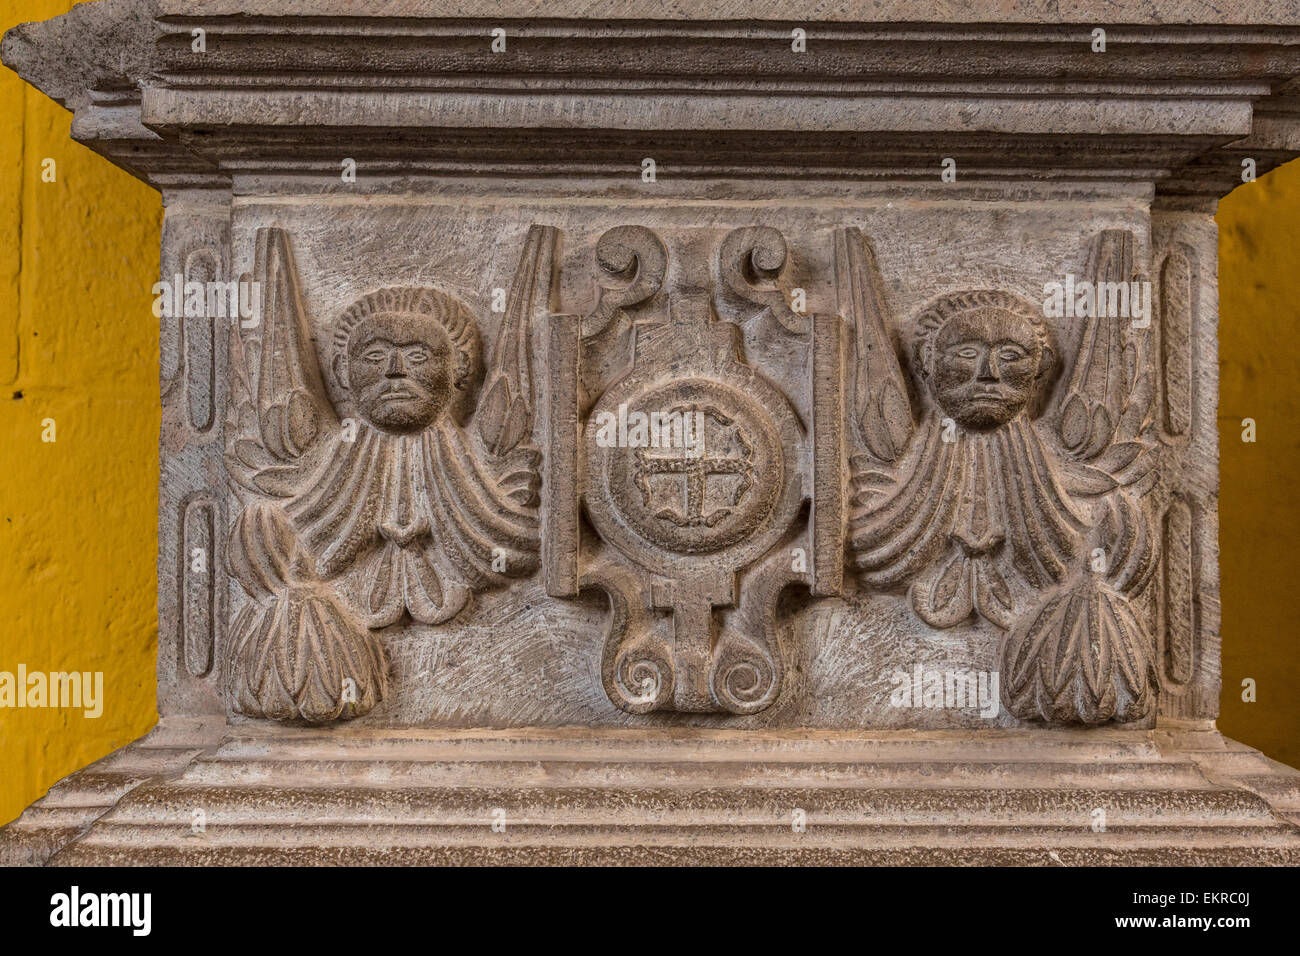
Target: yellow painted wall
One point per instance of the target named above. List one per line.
(79, 344)
(1259, 502)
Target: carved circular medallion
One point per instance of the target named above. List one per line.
(691, 467)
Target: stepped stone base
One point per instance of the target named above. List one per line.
(196, 792)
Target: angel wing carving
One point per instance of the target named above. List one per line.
(884, 414)
(1104, 416)
(275, 425)
(505, 416)
(982, 511)
(403, 502)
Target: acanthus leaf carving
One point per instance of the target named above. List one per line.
(301, 657)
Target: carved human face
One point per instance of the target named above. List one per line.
(400, 371)
(986, 367)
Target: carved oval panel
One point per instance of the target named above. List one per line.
(199, 334)
(1177, 320)
(1178, 597)
(197, 586)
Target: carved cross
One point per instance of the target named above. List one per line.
(696, 469)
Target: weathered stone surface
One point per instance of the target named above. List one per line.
(287, 797)
(724, 425)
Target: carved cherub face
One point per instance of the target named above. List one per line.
(987, 365)
(401, 370)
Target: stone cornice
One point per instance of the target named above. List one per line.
(1182, 95)
(1103, 12)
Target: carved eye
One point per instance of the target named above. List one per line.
(417, 355)
(375, 356)
(1011, 353)
(968, 352)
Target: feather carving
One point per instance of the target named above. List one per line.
(883, 411)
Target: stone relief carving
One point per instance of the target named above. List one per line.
(993, 504)
(691, 482)
(691, 465)
(401, 500)
(946, 512)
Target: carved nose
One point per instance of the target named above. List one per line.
(395, 367)
(988, 371)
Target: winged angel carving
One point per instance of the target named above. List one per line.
(401, 502)
(998, 504)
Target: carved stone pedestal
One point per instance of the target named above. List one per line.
(1184, 796)
(601, 438)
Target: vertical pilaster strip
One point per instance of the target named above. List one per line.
(827, 375)
(192, 493)
(560, 471)
(1186, 320)
(198, 587)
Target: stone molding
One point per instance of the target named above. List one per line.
(651, 381)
